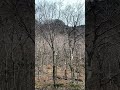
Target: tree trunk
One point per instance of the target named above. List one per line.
(54, 78)
(65, 74)
(56, 59)
(72, 70)
(38, 73)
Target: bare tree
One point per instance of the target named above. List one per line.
(49, 32)
(73, 18)
(62, 39)
(103, 15)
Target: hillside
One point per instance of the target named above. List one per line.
(68, 53)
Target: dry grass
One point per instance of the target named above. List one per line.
(46, 77)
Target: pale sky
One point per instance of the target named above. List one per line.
(67, 2)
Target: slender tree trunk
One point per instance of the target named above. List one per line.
(77, 77)
(54, 77)
(42, 64)
(6, 74)
(66, 70)
(38, 73)
(73, 78)
(72, 69)
(56, 67)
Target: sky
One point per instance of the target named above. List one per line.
(67, 2)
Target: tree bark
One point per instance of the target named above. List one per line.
(54, 77)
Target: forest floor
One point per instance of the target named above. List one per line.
(45, 77)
